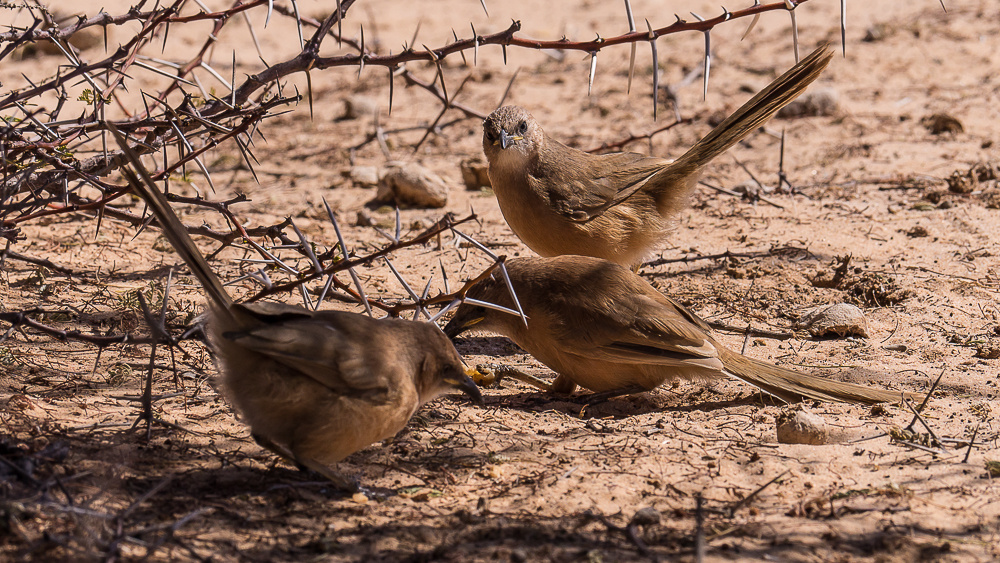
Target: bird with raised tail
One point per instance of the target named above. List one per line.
(602, 327)
(314, 386)
(560, 200)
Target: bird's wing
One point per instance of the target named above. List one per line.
(317, 345)
(641, 329)
(585, 186)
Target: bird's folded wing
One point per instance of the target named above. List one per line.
(583, 190)
(316, 348)
(642, 330)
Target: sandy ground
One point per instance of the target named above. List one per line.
(527, 477)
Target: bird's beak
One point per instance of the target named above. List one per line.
(506, 139)
(465, 384)
(459, 324)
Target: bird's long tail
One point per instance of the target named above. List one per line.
(792, 386)
(741, 123)
(173, 229)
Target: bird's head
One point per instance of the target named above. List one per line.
(442, 371)
(471, 316)
(511, 135)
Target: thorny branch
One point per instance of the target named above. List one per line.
(37, 155)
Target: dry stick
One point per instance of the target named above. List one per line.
(972, 442)
(727, 254)
(21, 318)
(447, 105)
(628, 531)
(739, 195)
(160, 334)
(633, 138)
(749, 331)
(412, 80)
(924, 402)
(922, 421)
(699, 528)
(7, 253)
(921, 447)
(782, 177)
(749, 173)
(751, 496)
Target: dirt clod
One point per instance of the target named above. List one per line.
(475, 173)
(817, 102)
(989, 350)
(940, 123)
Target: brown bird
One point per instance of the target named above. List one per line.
(602, 327)
(314, 386)
(560, 200)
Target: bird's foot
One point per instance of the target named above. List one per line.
(493, 374)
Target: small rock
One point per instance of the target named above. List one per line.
(802, 427)
(840, 319)
(358, 106)
(475, 173)
(878, 32)
(917, 232)
(647, 516)
(409, 184)
(941, 123)
(821, 101)
(364, 176)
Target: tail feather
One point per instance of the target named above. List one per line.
(744, 121)
(792, 386)
(173, 229)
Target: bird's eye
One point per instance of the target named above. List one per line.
(490, 136)
(522, 127)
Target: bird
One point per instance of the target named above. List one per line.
(618, 206)
(314, 386)
(602, 327)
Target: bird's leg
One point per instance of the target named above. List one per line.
(604, 396)
(267, 444)
(305, 463)
(499, 371)
(341, 482)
